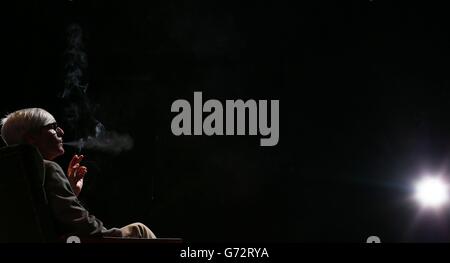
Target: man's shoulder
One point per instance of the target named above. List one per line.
(54, 175)
(52, 167)
(51, 164)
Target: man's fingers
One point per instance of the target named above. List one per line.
(76, 171)
(74, 158)
(73, 170)
(82, 169)
(80, 173)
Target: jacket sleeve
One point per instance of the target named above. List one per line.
(70, 216)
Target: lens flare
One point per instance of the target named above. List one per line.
(431, 192)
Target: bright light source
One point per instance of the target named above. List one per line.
(431, 192)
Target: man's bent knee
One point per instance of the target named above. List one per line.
(137, 230)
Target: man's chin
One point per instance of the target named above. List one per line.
(60, 151)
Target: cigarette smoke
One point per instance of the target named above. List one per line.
(78, 113)
(76, 62)
(104, 141)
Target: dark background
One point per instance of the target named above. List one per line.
(364, 109)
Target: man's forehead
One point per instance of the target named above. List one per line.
(50, 120)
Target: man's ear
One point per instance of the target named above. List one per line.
(29, 138)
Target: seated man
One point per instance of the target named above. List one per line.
(38, 127)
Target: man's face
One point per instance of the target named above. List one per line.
(49, 141)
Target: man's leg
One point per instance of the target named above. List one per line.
(137, 230)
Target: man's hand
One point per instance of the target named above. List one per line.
(75, 173)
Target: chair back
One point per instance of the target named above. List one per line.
(25, 214)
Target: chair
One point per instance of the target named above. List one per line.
(25, 214)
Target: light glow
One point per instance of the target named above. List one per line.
(431, 192)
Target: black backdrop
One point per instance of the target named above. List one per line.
(364, 107)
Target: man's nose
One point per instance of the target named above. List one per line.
(59, 131)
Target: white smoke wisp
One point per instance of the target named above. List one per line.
(76, 63)
(109, 142)
(79, 113)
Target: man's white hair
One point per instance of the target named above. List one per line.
(15, 125)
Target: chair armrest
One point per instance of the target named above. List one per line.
(89, 239)
(132, 240)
